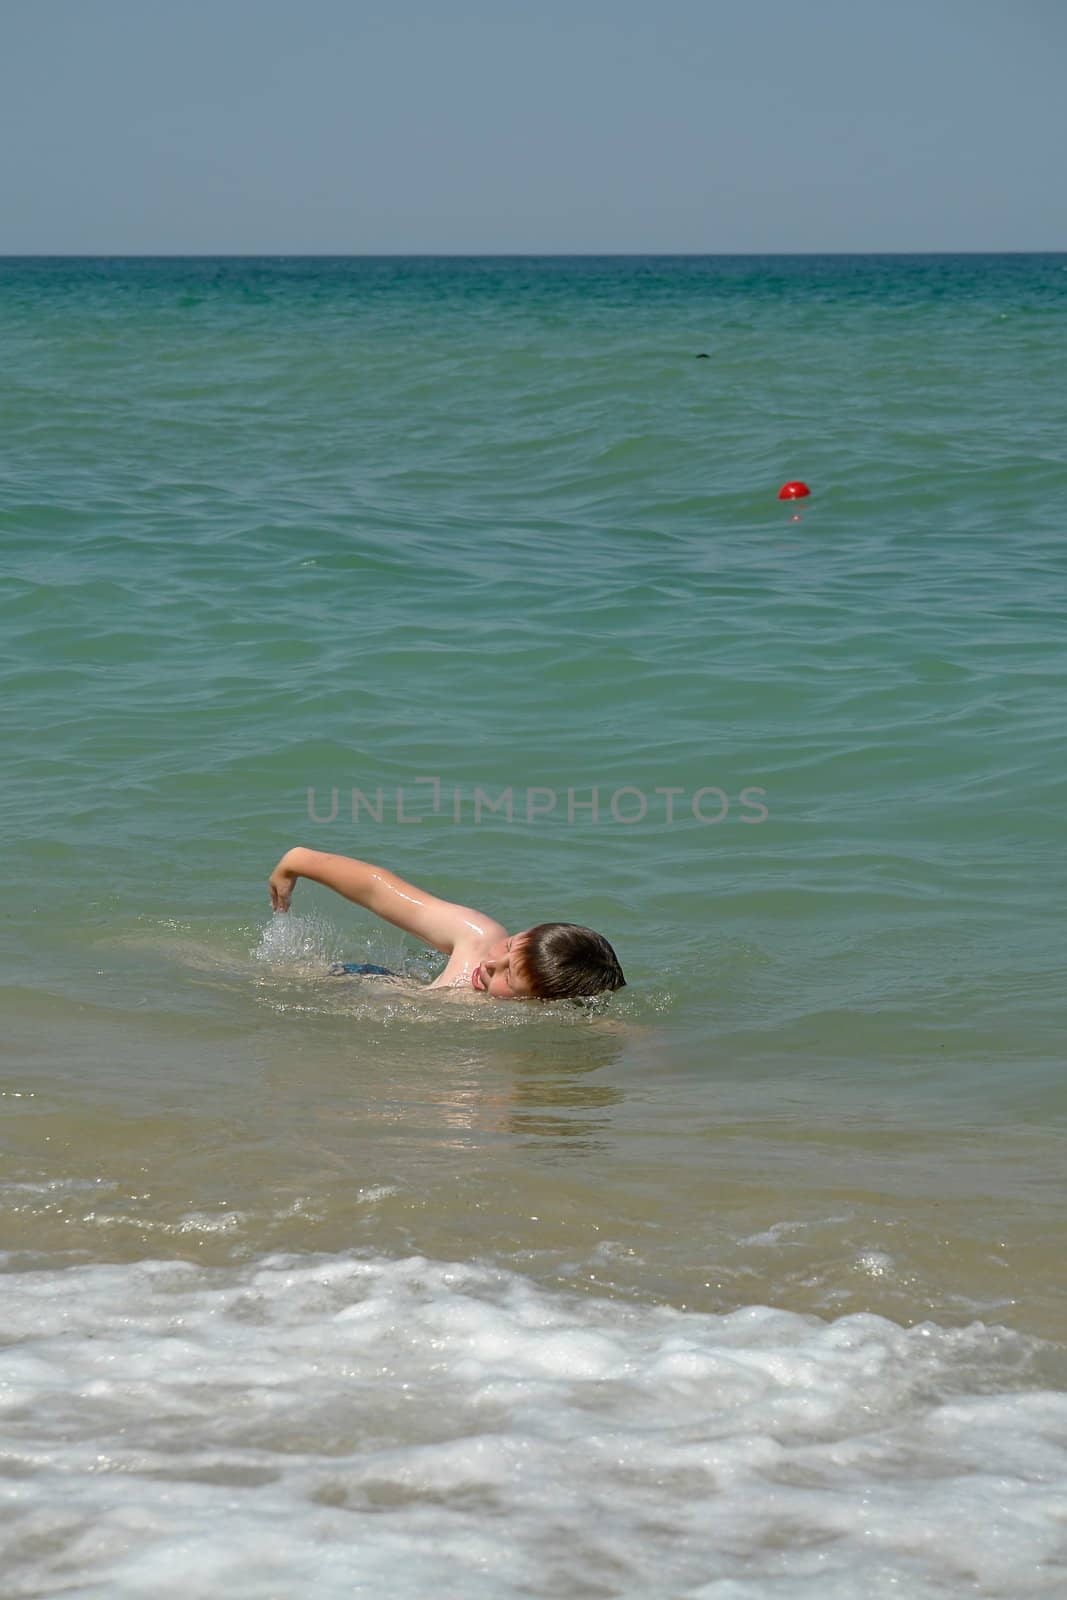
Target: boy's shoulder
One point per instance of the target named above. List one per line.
(473, 944)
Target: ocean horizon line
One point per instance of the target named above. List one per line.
(516, 255)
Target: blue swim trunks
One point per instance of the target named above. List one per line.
(360, 969)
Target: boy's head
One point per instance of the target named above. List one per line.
(561, 961)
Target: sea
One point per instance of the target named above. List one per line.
(745, 1283)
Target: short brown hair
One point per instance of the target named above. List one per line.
(562, 961)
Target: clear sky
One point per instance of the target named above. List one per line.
(364, 126)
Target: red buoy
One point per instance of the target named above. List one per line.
(793, 491)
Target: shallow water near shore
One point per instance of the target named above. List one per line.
(746, 1283)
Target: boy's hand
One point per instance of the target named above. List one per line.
(282, 882)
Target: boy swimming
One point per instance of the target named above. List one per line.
(552, 961)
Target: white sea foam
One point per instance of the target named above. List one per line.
(338, 1426)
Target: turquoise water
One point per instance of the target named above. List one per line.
(444, 531)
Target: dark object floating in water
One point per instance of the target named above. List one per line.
(702, 356)
(362, 969)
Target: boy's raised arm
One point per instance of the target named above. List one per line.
(438, 923)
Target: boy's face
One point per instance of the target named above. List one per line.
(501, 974)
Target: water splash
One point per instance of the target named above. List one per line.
(297, 941)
